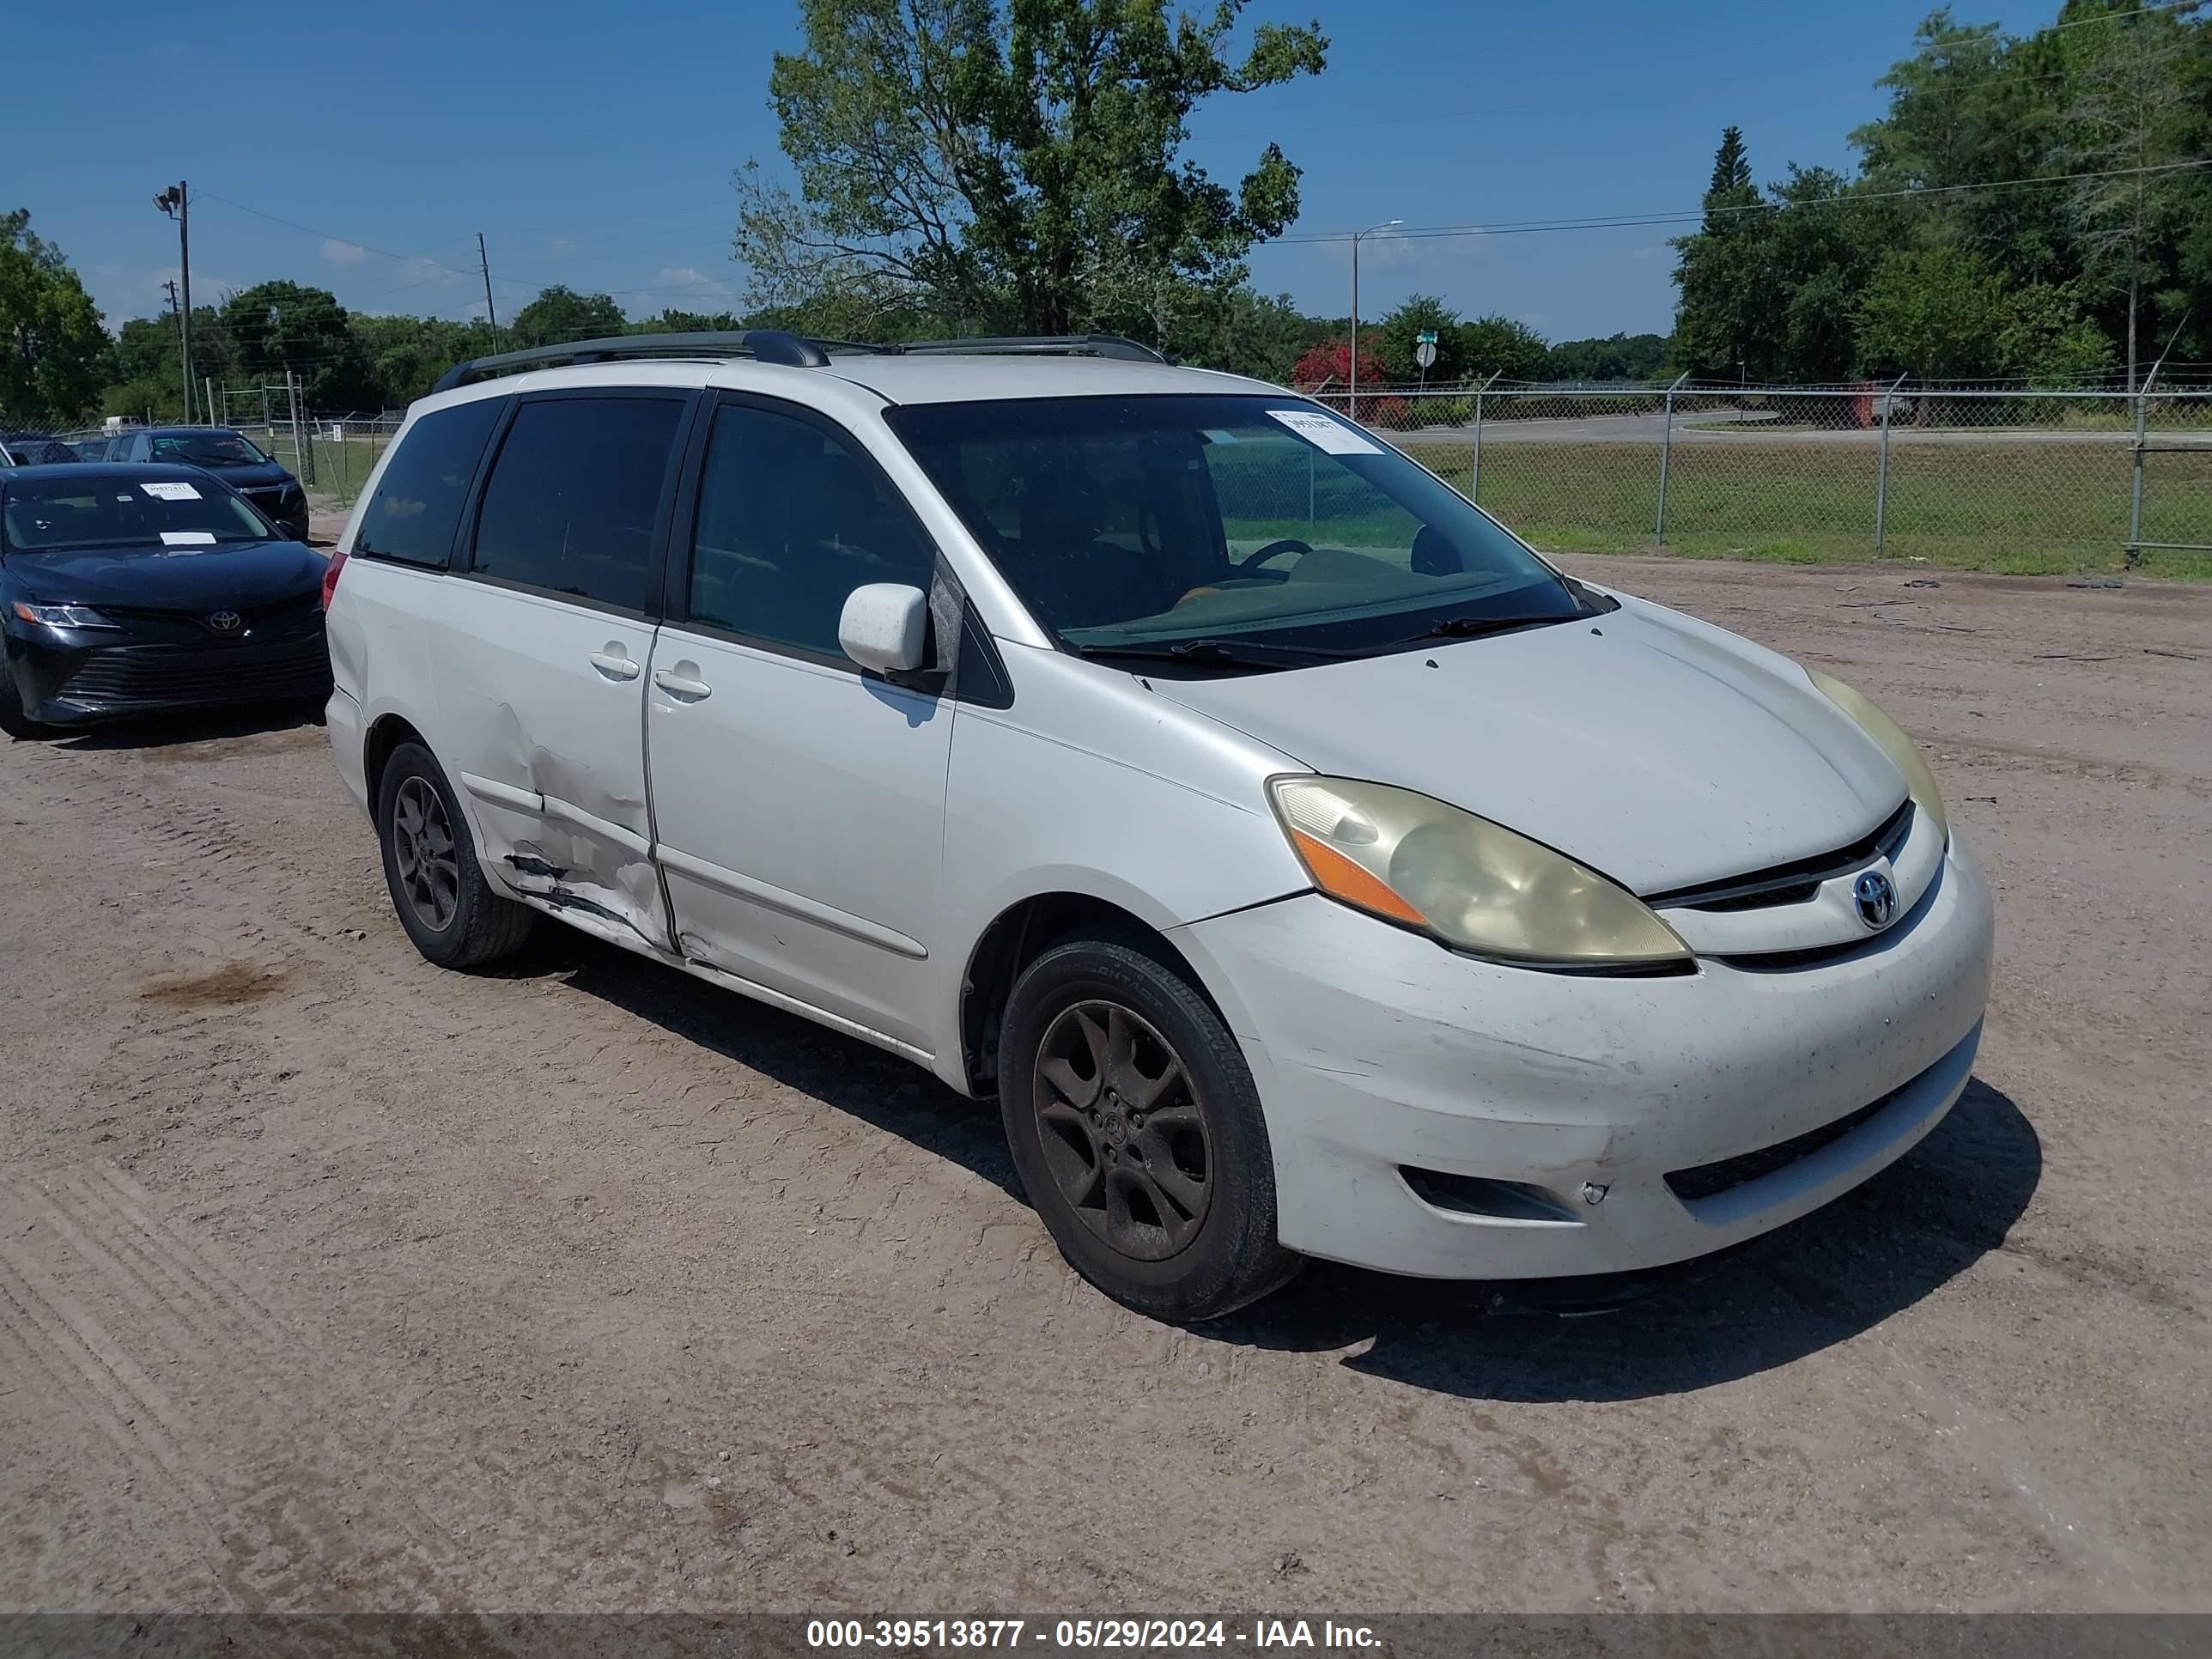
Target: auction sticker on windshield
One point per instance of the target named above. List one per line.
(1325, 431)
(174, 490)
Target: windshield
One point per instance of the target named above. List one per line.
(1257, 521)
(152, 515)
(205, 449)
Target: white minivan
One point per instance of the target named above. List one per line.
(1305, 867)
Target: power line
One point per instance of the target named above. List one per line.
(1681, 215)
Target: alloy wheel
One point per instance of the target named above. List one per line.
(1123, 1130)
(422, 849)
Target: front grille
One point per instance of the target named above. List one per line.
(1793, 882)
(300, 615)
(1711, 1180)
(157, 674)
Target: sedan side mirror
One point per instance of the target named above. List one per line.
(885, 626)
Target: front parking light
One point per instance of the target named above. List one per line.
(1474, 885)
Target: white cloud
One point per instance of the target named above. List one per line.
(336, 252)
(419, 272)
(695, 281)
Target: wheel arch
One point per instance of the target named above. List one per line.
(385, 734)
(1021, 932)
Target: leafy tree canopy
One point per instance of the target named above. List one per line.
(560, 313)
(52, 347)
(1014, 166)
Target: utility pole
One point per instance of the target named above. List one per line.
(1352, 410)
(176, 203)
(491, 317)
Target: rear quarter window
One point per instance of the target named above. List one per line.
(417, 505)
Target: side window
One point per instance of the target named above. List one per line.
(790, 520)
(417, 504)
(572, 499)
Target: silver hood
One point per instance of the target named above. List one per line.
(1656, 749)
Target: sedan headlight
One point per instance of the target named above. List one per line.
(63, 616)
(1919, 781)
(1475, 885)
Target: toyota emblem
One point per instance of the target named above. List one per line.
(224, 622)
(1875, 895)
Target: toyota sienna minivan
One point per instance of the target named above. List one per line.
(1304, 865)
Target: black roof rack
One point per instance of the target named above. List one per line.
(767, 345)
(1056, 345)
(776, 345)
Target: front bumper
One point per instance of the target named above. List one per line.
(81, 678)
(1378, 1052)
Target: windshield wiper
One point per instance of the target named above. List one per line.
(1227, 654)
(1467, 628)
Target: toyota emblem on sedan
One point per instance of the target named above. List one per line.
(224, 622)
(1876, 898)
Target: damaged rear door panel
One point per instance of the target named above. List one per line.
(541, 677)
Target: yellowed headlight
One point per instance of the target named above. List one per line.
(1472, 884)
(1919, 779)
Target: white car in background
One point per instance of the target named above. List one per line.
(1306, 866)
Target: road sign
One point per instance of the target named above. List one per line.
(1425, 352)
(1426, 336)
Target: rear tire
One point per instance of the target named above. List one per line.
(1136, 1130)
(438, 889)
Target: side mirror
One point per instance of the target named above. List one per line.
(885, 626)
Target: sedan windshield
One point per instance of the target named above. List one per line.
(206, 449)
(128, 513)
(1214, 530)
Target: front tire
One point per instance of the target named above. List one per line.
(13, 721)
(1136, 1130)
(438, 889)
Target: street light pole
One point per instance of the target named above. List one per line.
(1352, 408)
(176, 203)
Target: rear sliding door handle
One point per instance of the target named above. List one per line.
(616, 664)
(682, 682)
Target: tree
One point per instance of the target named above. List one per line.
(1729, 317)
(52, 346)
(1017, 167)
(1932, 312)
(1499, 345)
(1402, 330)
(1328, 363)
(1616, 357)
(2044, 337)
(2132, 107)
(559, 313)
(279, 328)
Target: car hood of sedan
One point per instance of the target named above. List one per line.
(246, 475)
(229, 575)
(1655, 750)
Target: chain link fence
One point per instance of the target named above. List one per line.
(331, 455)
(1992, 477)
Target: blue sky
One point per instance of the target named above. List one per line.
(593, 145)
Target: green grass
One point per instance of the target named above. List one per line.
(2023, 509)
(341, 468)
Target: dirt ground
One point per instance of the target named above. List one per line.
(331, 1280)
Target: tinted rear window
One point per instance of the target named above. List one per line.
(418, 502)
(573, 498)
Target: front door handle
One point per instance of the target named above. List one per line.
(682, 682)
(615, 663)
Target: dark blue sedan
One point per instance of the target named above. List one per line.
(127, 589)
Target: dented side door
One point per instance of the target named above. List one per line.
(541, 681)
